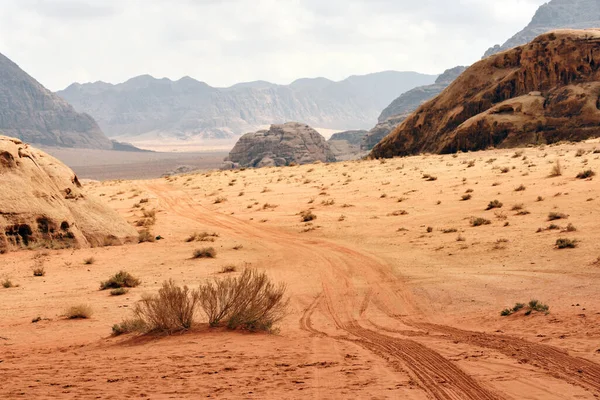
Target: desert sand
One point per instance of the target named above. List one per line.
(393, 293)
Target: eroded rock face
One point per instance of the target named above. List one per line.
(42, 204)
(346, 145)
(543, 92)
(281, 145)
(32, 113)
(404, 105)
(556, 14)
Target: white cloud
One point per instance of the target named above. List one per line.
(228, 41)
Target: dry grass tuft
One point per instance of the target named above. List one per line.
(205, 252)
(121, 279)
(81, 311)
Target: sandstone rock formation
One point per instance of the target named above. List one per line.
(543, 92)
(556, 14)
(281, 145)
(187, 108)
(404, 105)
(32, 113)
(346, 145)
(42, 204)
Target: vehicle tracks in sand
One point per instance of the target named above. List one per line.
(439, 377)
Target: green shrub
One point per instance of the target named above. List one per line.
(566, 243)
(585, 174)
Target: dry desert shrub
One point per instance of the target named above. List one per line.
(89, 261)
(38, 269)
(129, 326)
(494, 204)
(478, 221)
(566, 243)
(553, 216)
(145, 236)
(202, 237)
(249, 301)
(81, 311)
(121, 279)
(205, 252)
(307, 216)
(556, 170)
(585, 174)
(171, 310)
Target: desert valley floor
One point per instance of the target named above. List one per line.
(394, 294)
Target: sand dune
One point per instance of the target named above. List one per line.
(394, 294)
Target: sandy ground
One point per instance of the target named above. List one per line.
(106, 164)
(381, 306)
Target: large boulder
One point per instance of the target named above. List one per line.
(42, 204)
(543, 92)
(281, 145)
(404, 105)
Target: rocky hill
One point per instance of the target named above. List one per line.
(347, 145)
(32, 113)
(542, 92)
(280, 145)
(404, 105)
(189, 108)
(556, 14)
(42, 204)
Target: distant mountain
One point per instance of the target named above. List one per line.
(556, 14)
(188, 108)
(404, 105)
(32, 113)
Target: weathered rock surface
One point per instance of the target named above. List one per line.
(404, 105)
(188, 108)
(556, 14)
(42, 204)
(281, 145)
(32, 113)
(346, 145)
(543, 92)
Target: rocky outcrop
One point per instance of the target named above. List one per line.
(346, 145)
(556, 14)
(543, 92)
(32, 113)
(404, 105)
(42, 204)
(281, 145)
(187, 108)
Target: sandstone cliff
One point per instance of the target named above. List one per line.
(404, 105)
(32, 113)
(556, 14)
(281, 145)
(42, 204)
(347, 145)
(188, 108)
(543, 92)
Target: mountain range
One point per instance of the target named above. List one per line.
(188, 108)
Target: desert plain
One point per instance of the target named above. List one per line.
(394, 293)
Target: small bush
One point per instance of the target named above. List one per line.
(39, 270)
(81, 311)
(570, 228)
(7, 283)
(220, 200)
(566, 243)
(128, 326)
(307, 216)
(205, 252)
(89, 261)
(585, 174)
(429, 229)
(494, 204)
(466, 197)
(553, 216)
(450, 230)
(520, 188)
(119, 292)
(250, 301)
(556, 169)
(506, 312)
(536, 305)
(580, 153)
(480, 221)
(202, 237)
(121, 279)
(171, 310)
(504, 170)
(145, 236)
(228, 269)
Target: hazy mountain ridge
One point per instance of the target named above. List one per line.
(187, 107)
(574, 14)
(32, 113)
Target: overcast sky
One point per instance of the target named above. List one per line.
(223, 42)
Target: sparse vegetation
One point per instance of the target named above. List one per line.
(478, 221)
(121, 279)
(250, 301)
(533, 305)
(7, 283)
(81, 311)
(466, 197)
(494, 204)
(129, 326)
(205, 252)
(586, 174)
(145, 236)
(202, 237)
(520, 188)
(307, 216)
(228, 269)
(553, 216)
(566, 243)
(556, 169)
(119, 292)
(89, 261)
